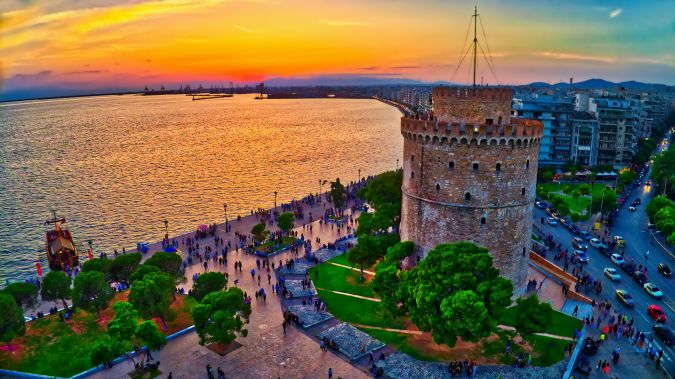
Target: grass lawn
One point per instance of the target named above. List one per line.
(561, 324)
(51, 347)
(341, 279)
(545, 350)
(400, 342)
(272, 246)
(578, 203)
(359, 311)
(341, 259)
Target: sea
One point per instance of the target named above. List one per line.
(116, 167)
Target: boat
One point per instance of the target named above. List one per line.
(61, 250)
(260, 97)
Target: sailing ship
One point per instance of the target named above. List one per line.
(61, 251)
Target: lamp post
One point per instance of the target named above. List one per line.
(166, 229)
(396, 164)
(225, 210)
(275, 199)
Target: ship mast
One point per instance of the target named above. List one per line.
(475, 44)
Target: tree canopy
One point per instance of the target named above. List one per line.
(259, 232)
(338, 194)
(656, 204)
(23, 293)
(152, 295)
(208, 282)
(384, 194)
(98, 264)
(12, 322)
(369, 249)
(167, 262)
(285, 221)
(91, 290)
(627, 176)
(125, 330)
(606, 202)
(220, 316)
(387, 275)
(56, 286)
(532, 316)
(663, 172)
(141, 271)
(122, 266)
(455, 292)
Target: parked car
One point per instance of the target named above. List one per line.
(617, 259)
(574, 229)
(555, 216)
(550, 211)
(605, 250)
(585, 235)
(631, 208)
(551, 221)
(564, 222)
(653, 290)
(595, 242)
(629, 265)
(664, 270)
(665, 334)
(581, 256)
(612, 274)
(579, 243)
(625, 298)
(639, 277)
(656, 313)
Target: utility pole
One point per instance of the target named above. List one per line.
(475, 43)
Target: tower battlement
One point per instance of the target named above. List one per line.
(474, 106)
(468, 93)
(517, 128)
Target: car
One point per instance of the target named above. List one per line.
(653, 290)
(564, 222)
(648, 183)
(585, 235)
(551, 221)
(665, 334)
(637, 202)
(612, 274)
(656, 313)
(579, 243)
(605, 250)
(595, 242)
(631, 208)
(574, 229)
(664, 270)
(617, 259)
(581, 256)
(549, 211)
(555, 216)
(625, 298)
(629, 266)
(619, 241)
(639, 277)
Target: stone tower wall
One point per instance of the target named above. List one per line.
(495, 164)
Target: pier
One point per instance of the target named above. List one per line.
(206, 96)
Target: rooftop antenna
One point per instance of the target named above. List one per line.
(475, 44)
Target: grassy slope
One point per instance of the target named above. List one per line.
(561, 324)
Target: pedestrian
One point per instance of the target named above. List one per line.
(330, 372)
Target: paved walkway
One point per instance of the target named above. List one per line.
(352, 295)
(353, 268)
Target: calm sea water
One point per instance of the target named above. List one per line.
(117, 166)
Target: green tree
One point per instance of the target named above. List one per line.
(387, 275)
(338, 193)
(208, 282)
(12, 322)
(585, 189)
(91, 291)
(122, 266)
(152, 296)
(665, 221)
(542, 192)
(384, 194)
(56, 286)
(656, 204)
(98, 264)
(607, 200)
(369, 249)
(125, 329)
(167, 262)
(663, 171)
(259, 232)
(220, 315)
(285, 222)
(627, 176)
(102, 351)
(141, 271)
(455, 292)
(24, 293)
(532, 316)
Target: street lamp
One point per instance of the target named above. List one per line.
(396, 164)
(275, 199)
(166, 228)
(225, 210)
(359, 179)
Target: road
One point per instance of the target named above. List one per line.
(632, 226)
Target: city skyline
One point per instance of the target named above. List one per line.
(96, 45)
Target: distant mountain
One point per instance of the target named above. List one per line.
(605, 84)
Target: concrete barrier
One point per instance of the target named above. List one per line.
(575, 354)
(552, 270)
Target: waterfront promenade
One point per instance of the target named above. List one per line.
(266, 352)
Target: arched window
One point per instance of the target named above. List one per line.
(522, 192)
(483, 220)
(451, 165)
(499, 120)
(412, 158)
(412, 175)
(475, 166)
(467, 196)
(438, 187)
(498, 167)
(527, 164)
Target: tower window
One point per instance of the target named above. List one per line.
(412, 158)
(483, 220)
(412, 175)
(467, 196)
(499, 120)
(498, 167)
(522, 192)
(475, 166)
(451, 165)
(438, 187)
(523, 252)
(527, 164)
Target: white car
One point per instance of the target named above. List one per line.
(612, 274)
(595, 242)
(631, 208)
(617, 259)
(653, 290)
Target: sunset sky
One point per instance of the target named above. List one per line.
(51, 45)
